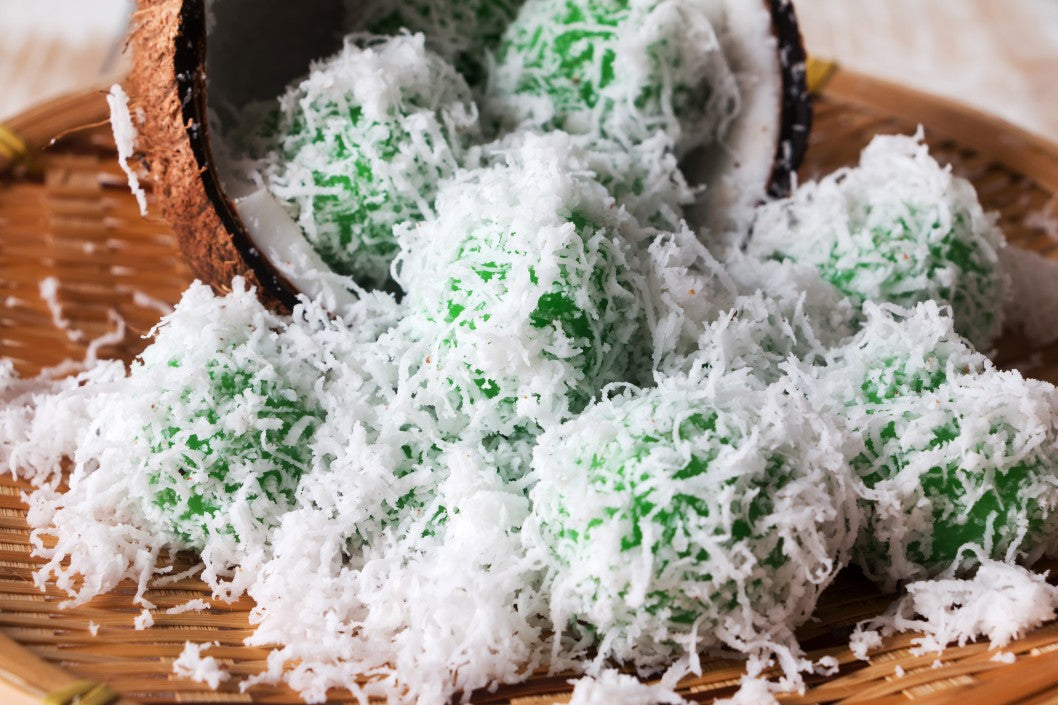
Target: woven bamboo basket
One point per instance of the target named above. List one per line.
(68, 214)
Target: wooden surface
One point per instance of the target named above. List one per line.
(72, 217)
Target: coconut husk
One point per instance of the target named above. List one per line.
(169, 162)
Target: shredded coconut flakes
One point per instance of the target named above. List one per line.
(49, 293)
(193, 665)
(751, 691)
(1000, 603)
(612, 687)
(196, 605)
(144, 620)
(125, 140)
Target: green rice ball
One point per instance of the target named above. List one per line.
(645, 178)
(959, 460)
(614, 69)
(699, 512)
(232, 414)
(783, 312)
(898, 228)
(463, 32)
(640, 82)
(360, 145)
(526, 286)
(211, 460)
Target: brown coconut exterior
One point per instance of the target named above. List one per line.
(796, 117)
(169, 162)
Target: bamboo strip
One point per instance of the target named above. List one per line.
(26, 679)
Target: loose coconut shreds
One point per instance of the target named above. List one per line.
(529, 280)
(146, 301)
(729, 509)
(49, 294)
(196, 605)
(751, 691)
(144, 620)
(612, 687)
(897, 228)
(620, 71)
(463, 32)
(360, 145)
(94, 535)
(41, 419)
(957, 458)
(1045, 220)
(420, 613)
(193, 665)
(1001, 602)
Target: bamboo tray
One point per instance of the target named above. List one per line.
(69, 215)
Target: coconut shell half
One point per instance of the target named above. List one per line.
(167, 89)
(256, 47)
(795, 120)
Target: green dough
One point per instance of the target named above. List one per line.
(359, 146)
(205, 471)
(524, 284)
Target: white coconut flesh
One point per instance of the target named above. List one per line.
(276, 235)
(281, 242)
(736, 171)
